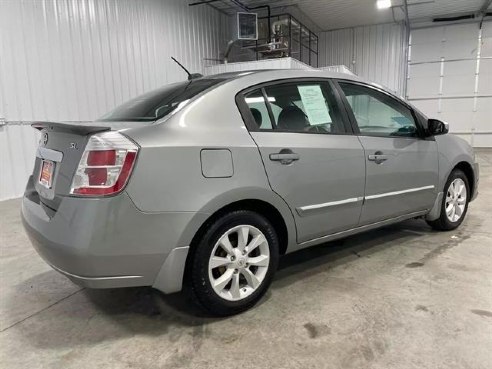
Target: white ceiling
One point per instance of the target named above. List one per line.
(334, 14)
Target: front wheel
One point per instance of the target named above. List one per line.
(234, 263)
(455, 202)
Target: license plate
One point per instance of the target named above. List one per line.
(46, 176)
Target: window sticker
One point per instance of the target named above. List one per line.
(314, 104)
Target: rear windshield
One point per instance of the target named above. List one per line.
(158, 103)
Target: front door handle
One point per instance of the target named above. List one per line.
(285, 156)
(378, 157)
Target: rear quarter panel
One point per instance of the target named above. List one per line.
(168, 175)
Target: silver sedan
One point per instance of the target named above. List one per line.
(204, 184)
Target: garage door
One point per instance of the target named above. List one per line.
(450, 78)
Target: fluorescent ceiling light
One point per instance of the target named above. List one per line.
(383, 4)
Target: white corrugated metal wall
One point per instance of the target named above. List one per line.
(377, 53)
(450, 78)
(68, 60)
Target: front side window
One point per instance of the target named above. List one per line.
(377, 114)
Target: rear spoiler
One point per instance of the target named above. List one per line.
(77, 128)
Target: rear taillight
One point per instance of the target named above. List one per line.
(105, 166)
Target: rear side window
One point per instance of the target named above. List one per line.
(258, 108)
(157, 104)
(296, 107)
(377, 114)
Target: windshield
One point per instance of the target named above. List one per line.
(156, 104)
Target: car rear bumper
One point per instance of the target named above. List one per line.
(105, 242)
(103, 282)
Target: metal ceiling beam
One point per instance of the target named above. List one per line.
(404, 8)
(208, 3)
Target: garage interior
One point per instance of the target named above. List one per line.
(399, 297)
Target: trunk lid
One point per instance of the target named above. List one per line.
(61, 146)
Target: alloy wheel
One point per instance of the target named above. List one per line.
(239, 262)
(456, 200)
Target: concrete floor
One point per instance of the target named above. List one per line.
(400, 297)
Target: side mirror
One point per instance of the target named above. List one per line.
(437, 127)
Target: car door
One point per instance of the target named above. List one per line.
(312, 159)
(401, 165)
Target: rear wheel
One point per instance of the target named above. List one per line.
(234, 263)
(455, 202)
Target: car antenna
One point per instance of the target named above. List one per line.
(190, 75)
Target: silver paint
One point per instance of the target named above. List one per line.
(148, 229)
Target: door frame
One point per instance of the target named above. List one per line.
(419, 120)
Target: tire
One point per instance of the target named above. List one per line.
(446, 222)
(211, 265)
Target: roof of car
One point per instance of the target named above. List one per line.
(265, 75)
(287, 72)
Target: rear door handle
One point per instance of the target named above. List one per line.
(285, 156)
(378, 157)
